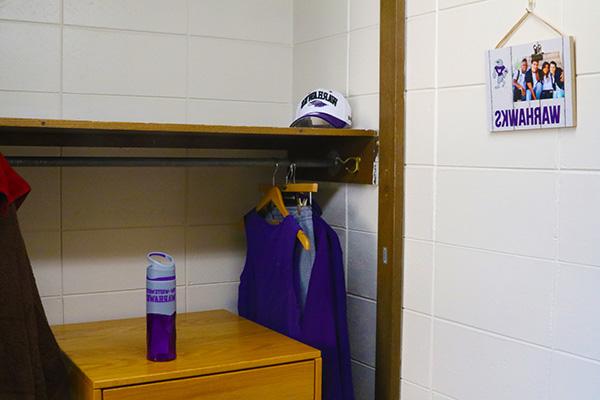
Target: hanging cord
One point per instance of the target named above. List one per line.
(528, 12)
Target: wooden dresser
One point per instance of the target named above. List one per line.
(219, 356)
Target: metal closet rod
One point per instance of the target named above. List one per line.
(168, 162)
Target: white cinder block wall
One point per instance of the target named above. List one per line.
(336, 45)
(502, 279)
(88, 229)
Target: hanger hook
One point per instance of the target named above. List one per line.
(293, 166)
(290, 176)
(531, 6)
(275, 171)
(355, 160)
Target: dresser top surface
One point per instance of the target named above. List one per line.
(113, 353)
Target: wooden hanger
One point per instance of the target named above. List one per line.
(293, 188)
(273, 196)
(301, 188)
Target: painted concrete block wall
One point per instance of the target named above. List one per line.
(502, 230)
(336, 45)
(88, 229)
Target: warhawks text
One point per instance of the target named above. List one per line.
(319, 94)
(540, 115)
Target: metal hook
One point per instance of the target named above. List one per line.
(290, 176)
(531, 6)
(356, 161)
(293, 167)
(275, 172)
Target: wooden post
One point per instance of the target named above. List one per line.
(391, 200)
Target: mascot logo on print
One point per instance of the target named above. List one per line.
(499, 73)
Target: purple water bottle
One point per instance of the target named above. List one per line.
(161, 307)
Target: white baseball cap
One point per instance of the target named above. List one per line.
(323, 107)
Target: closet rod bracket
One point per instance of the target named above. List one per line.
(351, 164)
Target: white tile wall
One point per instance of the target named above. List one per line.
(363, 13)
(44, 251)
(579, 21)
(574, 378)
(215, 254)
(365, 111)
(363, 71)
(509, 272)
(114, 259)
(29, 105)
(479, 33)
(122, 197)
(363, 378)
(362, 328)
(420, 49)
(315, 19)
(35, 65)
(419, 130)
(41, 210)
(53, 307)
(123, 108)
(210, 297)
(141, 15)
(260, 20)
(265, 75)
(411, 391)
(31, 10)
(332, 199)
(416, 7)
(579, 146)
(362, 264)
(244, 113)
(501, 293)
(472, 365)
(468, 200)
(219, 196)
(416, 349)
(134, 67)
(418, 203)
(110, 305)
(579, 219)
(418, 275)
(311, 73)
(576, 318)
(362, 208)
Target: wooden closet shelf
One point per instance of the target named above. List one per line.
(99, 127)
(300, 143)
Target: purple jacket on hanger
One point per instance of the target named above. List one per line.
(268, 294)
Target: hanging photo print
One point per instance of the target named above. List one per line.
(532, 86)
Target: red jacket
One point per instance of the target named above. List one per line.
(13, 188)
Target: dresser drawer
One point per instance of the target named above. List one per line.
(290, 382)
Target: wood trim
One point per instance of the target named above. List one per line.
(289, 381)
(318, 378)
(73, 126)
(391, 200)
